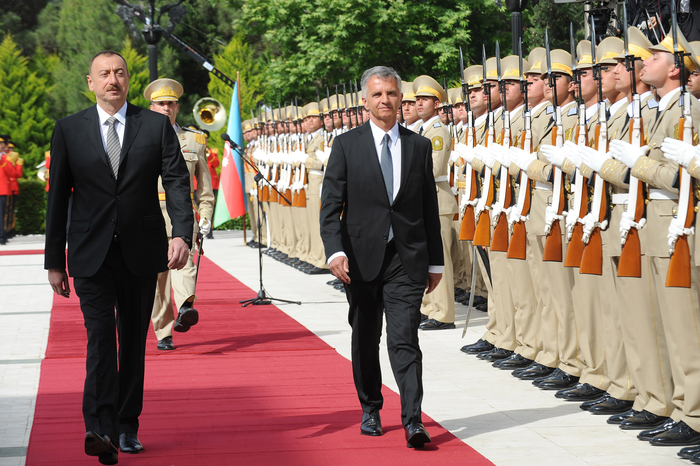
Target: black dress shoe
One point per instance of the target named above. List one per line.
(581, 392)
(478, 347)
(618, 418)
(514, 361)
(650, 434)
(559, 381)
(423, 318)
(555, 373)
(643, 420)
(102, 447)
(696, 459)
(535, 371)
(432, 324)
(689, 452)
(371, 424)
(416, 435)
(318, 271)
(129, 443)
(586, 405)
(611, 406)
(186, 318)
(679, 435)
(166, 344)
(495, 354)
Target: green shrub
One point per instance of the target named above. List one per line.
(235, 224)
(31, 207)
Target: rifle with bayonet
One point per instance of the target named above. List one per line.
(679, 266)
(482, 235)
(360, 113)
(324, 139)
(337, 105)
(469, 198)
(552, 229)
(499, 217)
(517, 248)
(330, 114)
(574, 227)
(630, 264)
(597, 218)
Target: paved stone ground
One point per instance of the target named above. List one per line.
(509, 421)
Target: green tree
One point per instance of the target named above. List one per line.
(24, 110)
(236, 57)
(314, 43)
(556, 17)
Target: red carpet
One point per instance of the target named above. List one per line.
(26, 252)
(246, 386)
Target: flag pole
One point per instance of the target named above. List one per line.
(238, 91)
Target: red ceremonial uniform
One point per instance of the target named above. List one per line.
(213, 162)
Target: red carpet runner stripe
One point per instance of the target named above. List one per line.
(246, 386)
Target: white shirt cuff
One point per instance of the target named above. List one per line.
(435, 268)
(337, 254)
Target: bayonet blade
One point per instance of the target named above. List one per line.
(572, 45)
(483, 61)
(625, 31)
(461, 66)
(498, 60)
(520, 58)
(547, 51)
(674, 26)
(593, 41)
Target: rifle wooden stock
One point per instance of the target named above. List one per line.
(271, 195)
(517, 249)
(552, 243)
(592, 259)
(499, 241)
(482, 235)
(468, 227)
(266, 194)
(301, 196)
(630, 264)
(574, 251)
(679, 266)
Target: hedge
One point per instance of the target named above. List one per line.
(31, 207)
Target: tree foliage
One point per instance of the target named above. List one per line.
(555, 17)
(24, 110)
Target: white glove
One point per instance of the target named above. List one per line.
(521, 158)
(204, 226)
(592, 158)
(627, 223)
(514, 216)
(484, 155)
(555, 155)
(454, 156)
(588, 226)
(500, 153)
(550, 215)
(626, 152)
(680, 152)
(572, 153)
(465, 152)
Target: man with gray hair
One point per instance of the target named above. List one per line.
(381, 233)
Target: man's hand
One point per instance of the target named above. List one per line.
(432, 283)
(178, 252)
(339, 267)
(204, 226)
(626, 152)
(58, 279)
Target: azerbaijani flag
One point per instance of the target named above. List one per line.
(230, 201)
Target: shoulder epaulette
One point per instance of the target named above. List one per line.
(652, 103)
(572, 111)
(437, 125)
(199, 136)
(550, 109)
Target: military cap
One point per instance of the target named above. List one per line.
(454, 96)
(474, 75)
(491, 69)
(425, 86)
(310, 109)
(324, 108)
(637, 44)
(407, 91)
(268, 116)
(162, 90)
(536, 59)
(608, 49)
(337, 102)
(4, 138)
(510, 67)
(349, 100)
(583, 52)
(666, 45)
(248, 125)
(561, 62)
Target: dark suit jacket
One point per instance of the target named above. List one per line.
(101, 203)
(354, 186)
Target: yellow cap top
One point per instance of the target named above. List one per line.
(162, 90)
(426, 86)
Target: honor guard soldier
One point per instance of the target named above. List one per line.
(408, 107)
(438, 308)
(164, 95)
(6, 172)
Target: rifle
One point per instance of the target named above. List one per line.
(468, 226)
(337, 104)
(505, 197)
(630, 264)
(574, 227)
(552, 229)
(592, 258)
(482, 235)
(679, 266)
(330, 114)
(324, 139)
(517, 249)
(359, 110)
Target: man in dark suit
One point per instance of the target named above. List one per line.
(107, 158)
(381, 232)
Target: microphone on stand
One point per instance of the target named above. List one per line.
(226, 138)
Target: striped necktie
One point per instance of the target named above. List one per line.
(114, 147)
(388, 174)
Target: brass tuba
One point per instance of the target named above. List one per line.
(209, 114)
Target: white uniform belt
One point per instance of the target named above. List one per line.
(660, 194)
(620, 198)
(540, 185)
(316, 172)
(441, 178)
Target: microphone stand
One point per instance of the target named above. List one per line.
(262, 297)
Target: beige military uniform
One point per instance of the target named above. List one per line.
(193, 146)
(314, 166)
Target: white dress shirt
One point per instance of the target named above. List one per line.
(118, 126)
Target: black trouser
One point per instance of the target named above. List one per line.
(3, 219)
(113, 395)
(400, 298)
